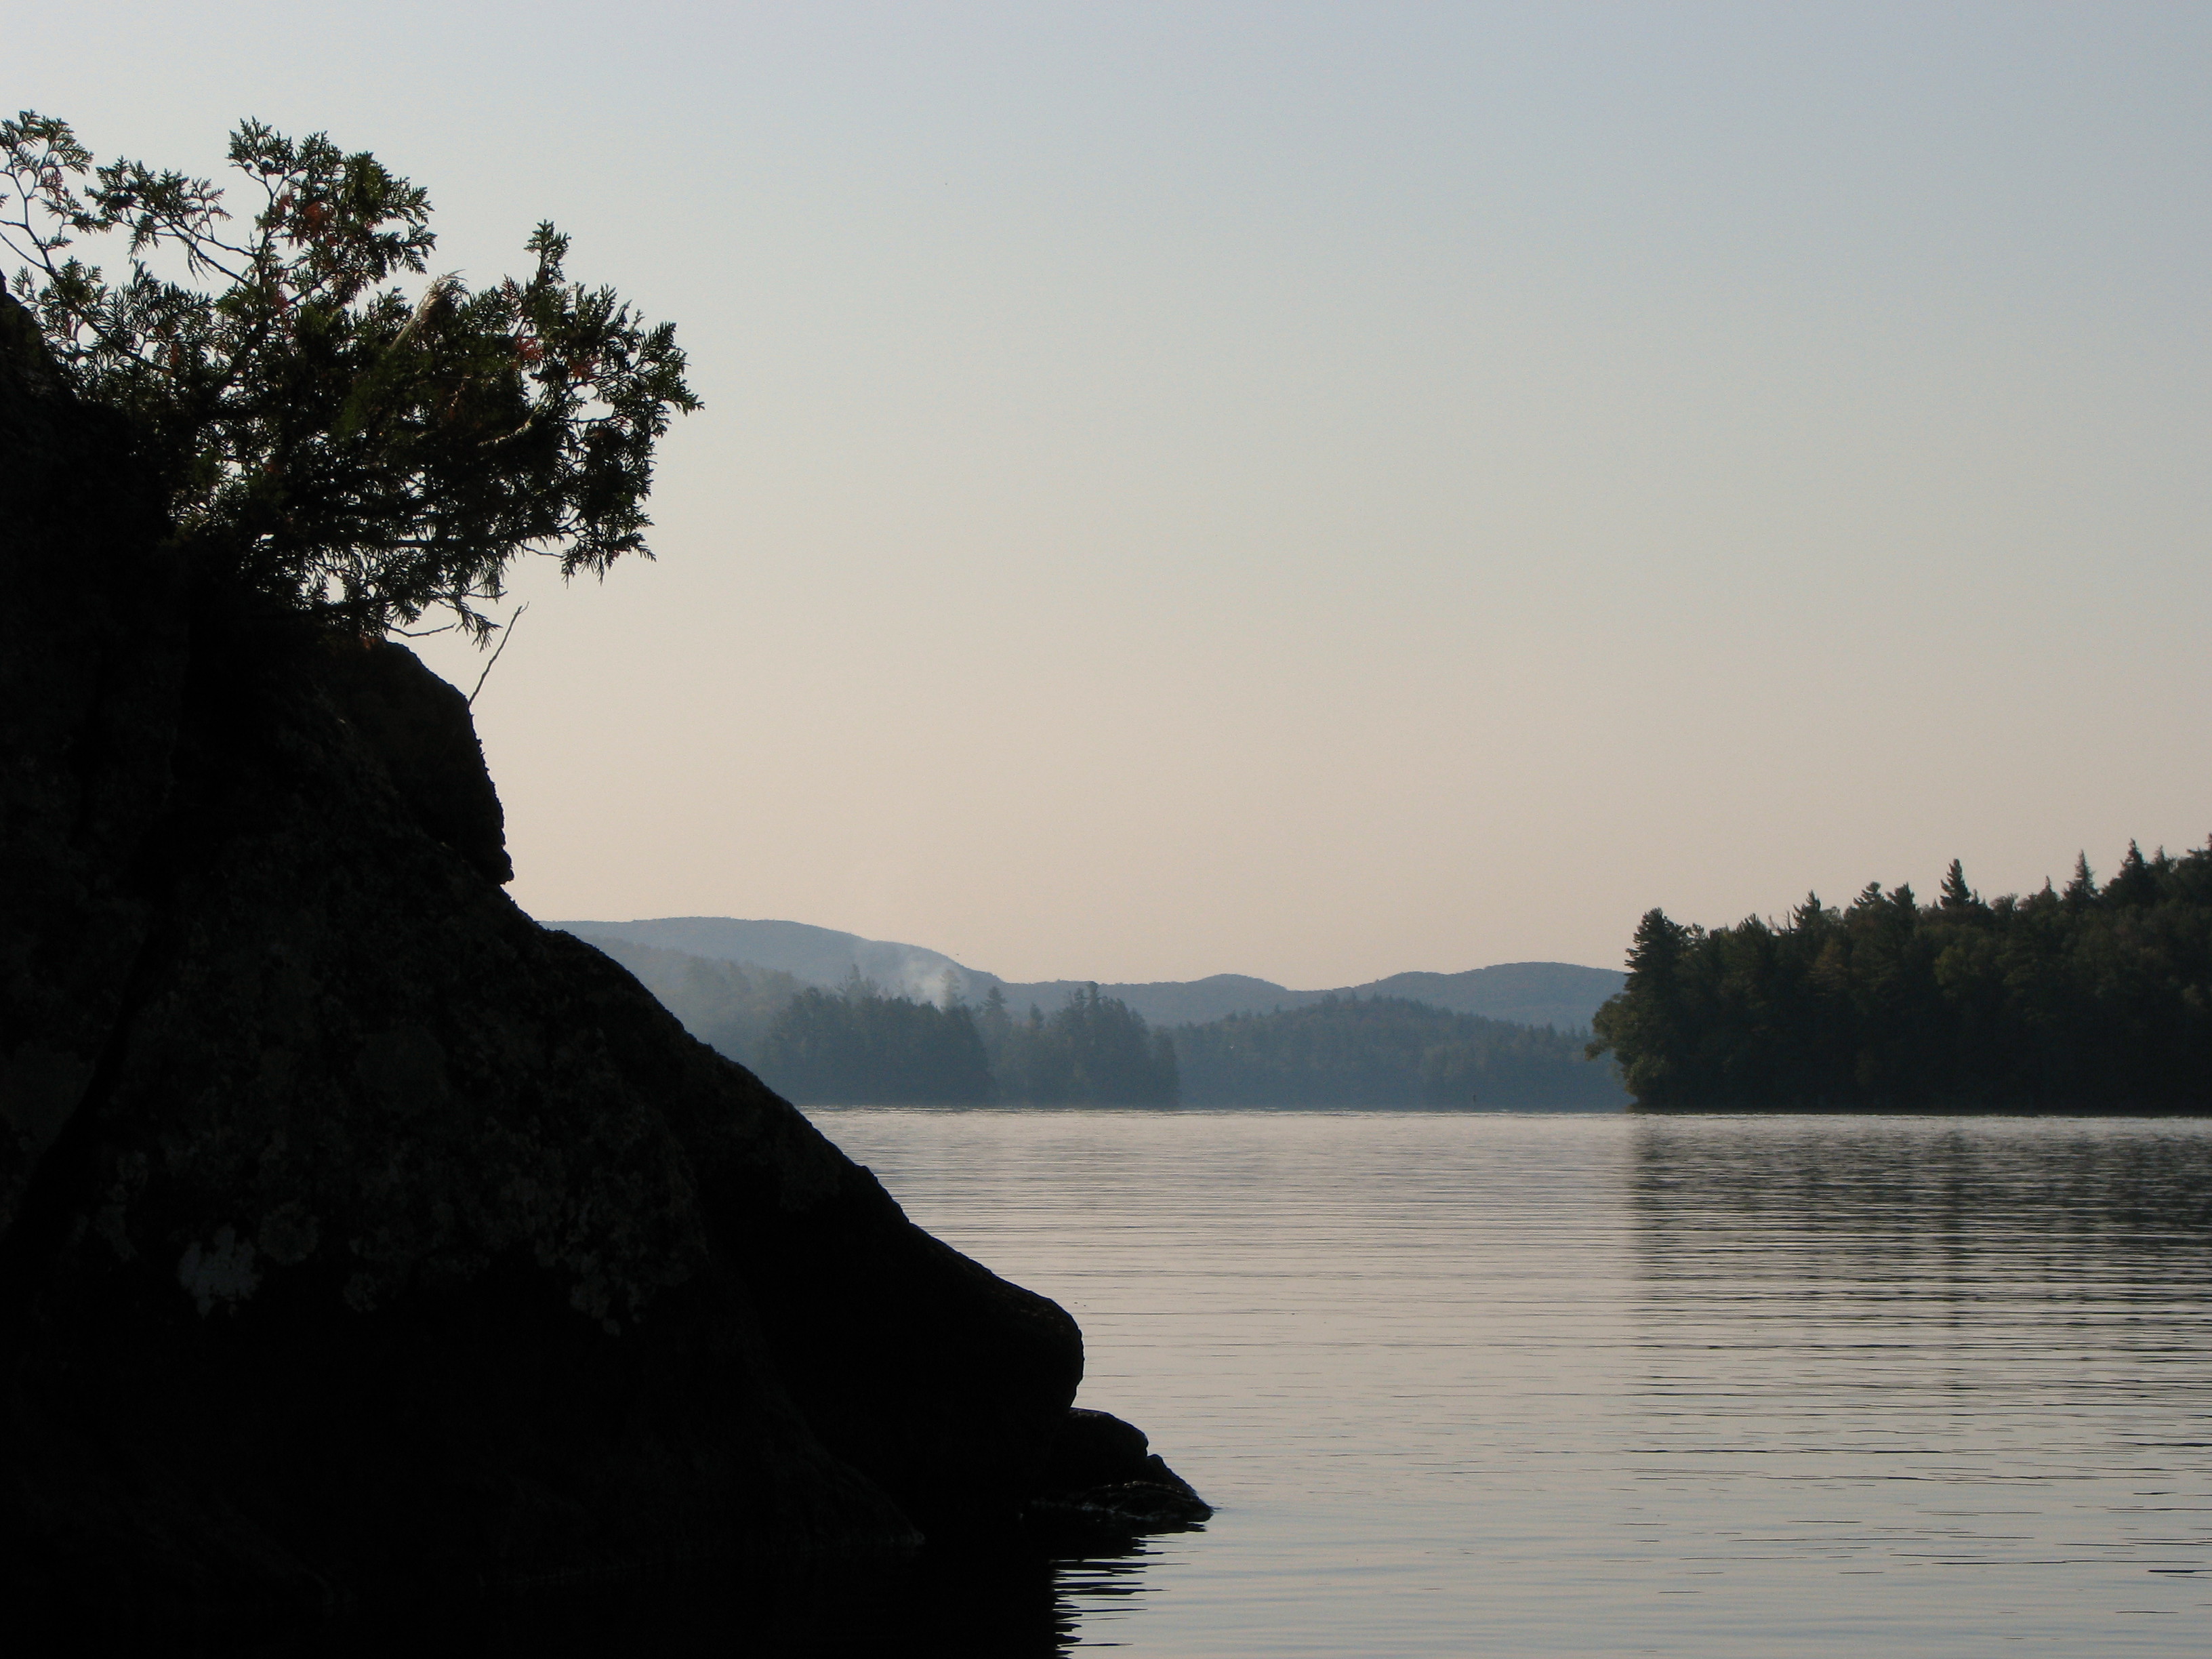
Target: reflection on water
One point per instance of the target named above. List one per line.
(1907, 1347)
(1006, 1603)
(1516, 1384)
(1996, 1187)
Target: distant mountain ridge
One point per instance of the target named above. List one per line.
(1561, 994)
(818, 956)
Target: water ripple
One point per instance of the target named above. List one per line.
(1521, 1384)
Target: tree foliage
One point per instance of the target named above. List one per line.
(1093, 1050)
(370, 453)
(1388, 1051)
(731, 1006)
(2079, 999)
(857, 1046)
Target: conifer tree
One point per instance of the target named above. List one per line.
(2092, 1000)
(368, 452)
(2083, 887)
(2133, 884)
(1957, 896)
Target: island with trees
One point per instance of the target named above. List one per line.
(2074, 999)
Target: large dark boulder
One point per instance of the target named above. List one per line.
(357, 1235)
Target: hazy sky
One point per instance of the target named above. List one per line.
(1318, 490)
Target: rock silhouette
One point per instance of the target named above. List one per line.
(359, 1237)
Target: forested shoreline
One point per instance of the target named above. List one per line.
(2079, 999)
(1386, 1052)
(859, 1044)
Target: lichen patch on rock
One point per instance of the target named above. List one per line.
(221, 1272)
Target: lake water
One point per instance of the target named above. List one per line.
(1513, 1385)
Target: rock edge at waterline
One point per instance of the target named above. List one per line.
(355, 1232)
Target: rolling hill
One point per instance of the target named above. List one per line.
(1560, 994)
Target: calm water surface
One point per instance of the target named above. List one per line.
(1577, 1384)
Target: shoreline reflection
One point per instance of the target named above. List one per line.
(1016, 1600)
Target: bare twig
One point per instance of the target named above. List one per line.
(505, 634)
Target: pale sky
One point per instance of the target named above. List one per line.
(1318, 490)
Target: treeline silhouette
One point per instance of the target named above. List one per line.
(861, 1046)
(1093, 1050)
(1388, 1051)
(729, 1006)
(2084, 998)
(858, 1046)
